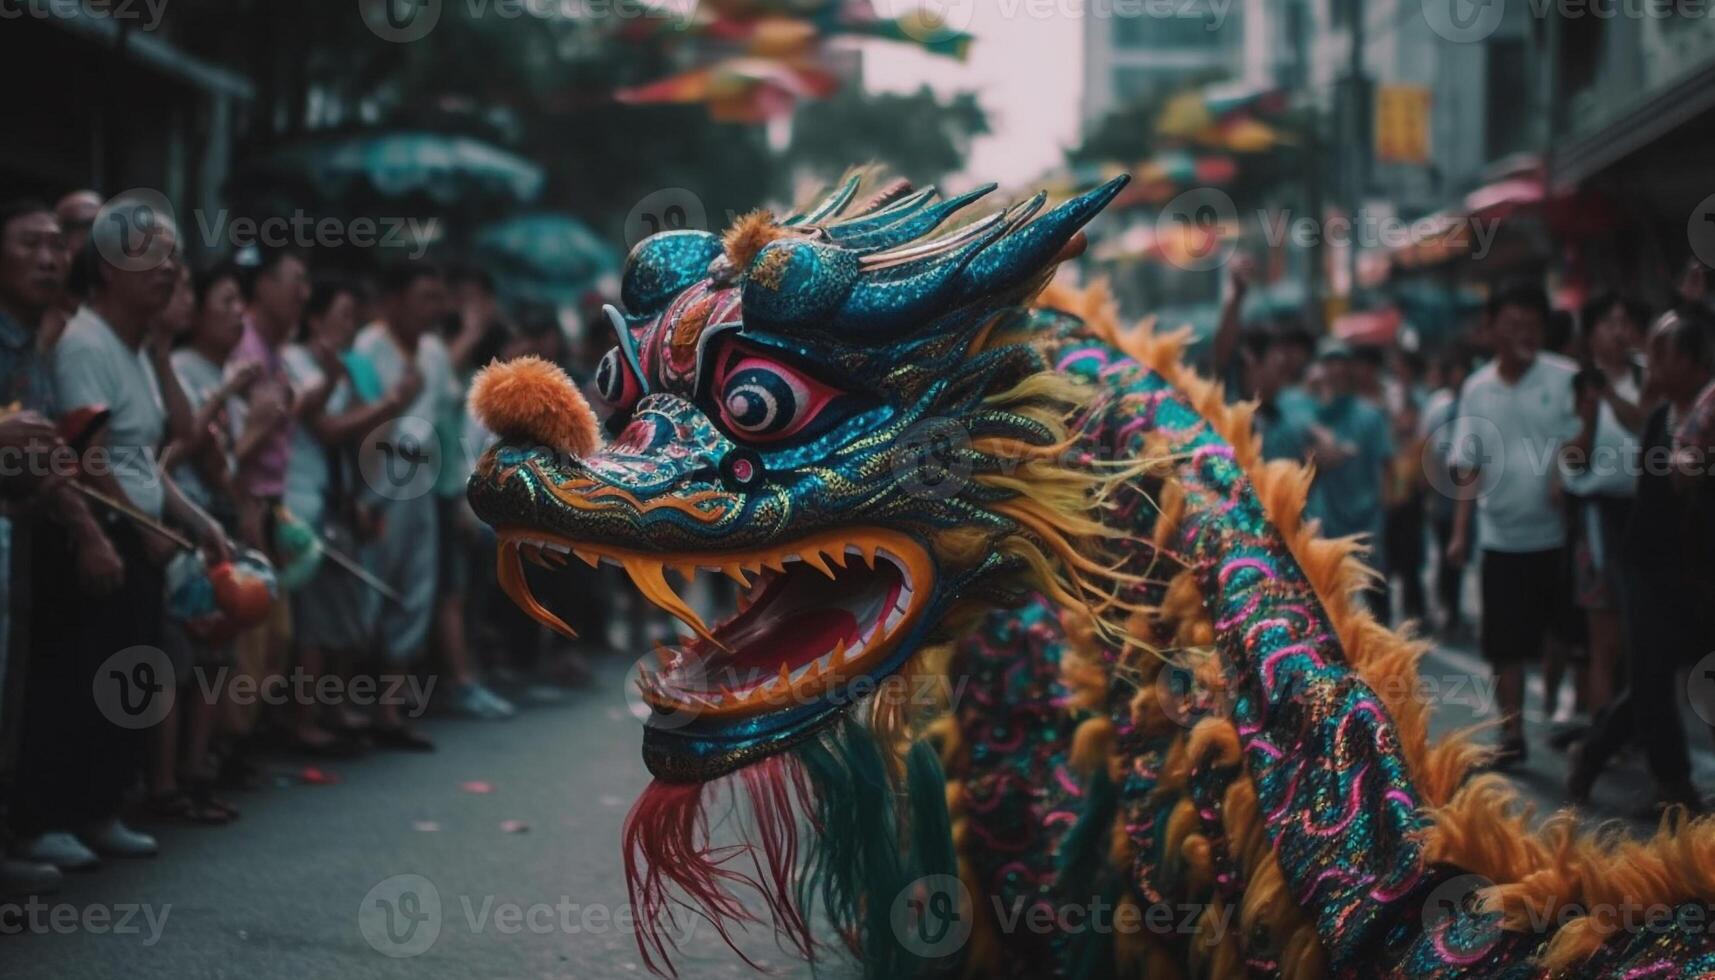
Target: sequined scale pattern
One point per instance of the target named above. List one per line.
(1341, 814)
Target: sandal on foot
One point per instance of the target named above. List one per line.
(179, 806)
(203, 793)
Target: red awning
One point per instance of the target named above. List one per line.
(1370, 328)
(1504, 198)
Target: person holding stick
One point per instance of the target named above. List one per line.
(78, 760)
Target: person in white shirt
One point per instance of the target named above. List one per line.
(1600, 472)
(1515, 414)
(400, 461)
(1439, 412)
(80, 760)
(333, 615)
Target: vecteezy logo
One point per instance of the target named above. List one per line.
(1464, 21)
(1181, 696)
(135, 687)
(1194, 230)
(933, 459)
(135, 230)
(401, 916)
(398, 458)
(677, 675)
(932, 916)
(1701, 231)
(1452, 913)
(668, 209)
(1700, 688)
(400, 21)
(1462, 458)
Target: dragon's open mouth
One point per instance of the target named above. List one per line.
(812, 617)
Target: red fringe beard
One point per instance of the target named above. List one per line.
(671, 860)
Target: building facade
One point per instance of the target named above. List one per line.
(105, 104)
(1137, 49)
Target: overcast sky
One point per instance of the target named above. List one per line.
(1027, 72)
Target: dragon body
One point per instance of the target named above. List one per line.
(1038, 670)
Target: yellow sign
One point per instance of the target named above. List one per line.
(1402, 123)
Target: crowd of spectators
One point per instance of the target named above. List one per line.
(255, 423)
(161, 426)
(1562, 456)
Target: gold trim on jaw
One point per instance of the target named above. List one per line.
(822, 552)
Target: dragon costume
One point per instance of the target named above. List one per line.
(1038, 670)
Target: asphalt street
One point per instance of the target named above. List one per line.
(496, 857)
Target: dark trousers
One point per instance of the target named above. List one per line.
(75, 765)
(15, 671)
(1404, 537)
(1661, 637)
(1449, 578)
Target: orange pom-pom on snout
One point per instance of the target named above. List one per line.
(749, 235)
(529, 398)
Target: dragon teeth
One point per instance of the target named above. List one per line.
(815, 560)
(808, 670)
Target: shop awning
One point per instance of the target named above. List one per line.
(1370, 328)
(1504, 198)
(1439, 238)
(150, 51)
(1653, 116)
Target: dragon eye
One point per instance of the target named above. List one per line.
(613, 381)
(763, 400)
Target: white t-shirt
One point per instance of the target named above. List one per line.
(92, 366)
(1615, 455)
(308, 475)
(1529, 420)
(403, 460)
(1432, 425)
(200, 378)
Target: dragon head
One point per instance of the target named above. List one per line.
(841, 411)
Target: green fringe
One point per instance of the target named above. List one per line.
(1084, 848)
(858, 861)
(932, 850)
(1091, 953)
(1084, 875)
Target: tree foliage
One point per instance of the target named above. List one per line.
(538, 85)
(916, 135)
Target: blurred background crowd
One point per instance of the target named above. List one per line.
(1544, 474)
(254, 472)
(1460, 265)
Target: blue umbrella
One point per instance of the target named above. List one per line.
(445, 168)
(546, 256)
